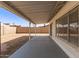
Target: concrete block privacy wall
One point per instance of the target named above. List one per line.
(7, 29)
(32, 29)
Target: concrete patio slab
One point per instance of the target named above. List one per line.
(39, 47)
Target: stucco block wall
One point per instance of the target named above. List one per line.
(7, 29)
(33, 30)
(10, 29)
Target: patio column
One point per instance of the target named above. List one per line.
(35, 29)
(0, 38)
(44, 25)
(0, 30)
(49, 30)
(29, 30)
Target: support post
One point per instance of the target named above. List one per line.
(35, 29)
(49, 30)
(44, 25)
(29, 30)
(0, 39)
(0, 30)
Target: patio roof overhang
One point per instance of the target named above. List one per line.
(37, 12)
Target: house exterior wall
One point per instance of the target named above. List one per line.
(65, 9)
(69, 42)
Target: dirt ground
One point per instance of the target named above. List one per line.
(11, 46)
(10, 43)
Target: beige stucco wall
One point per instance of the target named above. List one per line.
(68, 48)
(7, 29)
(33, 29)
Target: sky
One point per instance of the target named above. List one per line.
(8, 17)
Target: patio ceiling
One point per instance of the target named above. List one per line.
(37, 11)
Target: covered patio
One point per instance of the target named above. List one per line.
(46, 13)
(40, 47)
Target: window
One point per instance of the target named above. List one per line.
(67, 27)
(62, 26)
(73, 26)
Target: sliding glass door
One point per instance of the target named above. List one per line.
(62, 25)
(67, 26)
(73, 26)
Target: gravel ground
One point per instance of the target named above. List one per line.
(11, 46)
